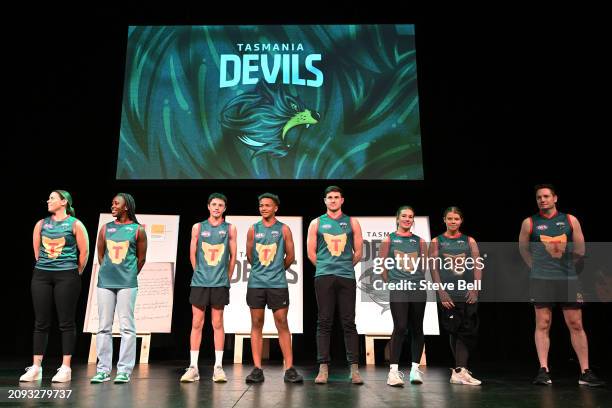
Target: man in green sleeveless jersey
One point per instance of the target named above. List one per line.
(213, 257)
(551, 243)
(335, 246)
(270, 251)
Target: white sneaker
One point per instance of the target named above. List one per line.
(395, 378)
(33, 373)
(64, 374)
(219, 375)
(463, 377)
(191, 374)
(416, 376)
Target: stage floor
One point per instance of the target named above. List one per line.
(157, 385)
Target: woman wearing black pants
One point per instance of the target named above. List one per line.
(61, 249)
(407, 306)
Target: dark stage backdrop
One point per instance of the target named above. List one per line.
(499, 112)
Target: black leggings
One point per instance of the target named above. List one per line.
(332, 291)
(65, 288)
(407, 315)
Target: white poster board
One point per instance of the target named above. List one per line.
(372, 313)
(237, 315)
(153, 310)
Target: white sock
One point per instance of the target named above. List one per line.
(218, 358)
(65, 367)
(194, 358)
(394, 367)
(415, 366)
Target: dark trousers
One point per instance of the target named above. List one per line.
(333, 291)
(63, 287)
(407, 315)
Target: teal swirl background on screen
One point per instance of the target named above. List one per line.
(270, 102)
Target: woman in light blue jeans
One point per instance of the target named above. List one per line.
(122, 249)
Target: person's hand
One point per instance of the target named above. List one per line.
(472, 296)
(445, 299)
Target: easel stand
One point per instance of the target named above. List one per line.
(145, 345)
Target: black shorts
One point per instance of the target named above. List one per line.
(461, 321)
(275, 298)
(548, 293)
(201, 296)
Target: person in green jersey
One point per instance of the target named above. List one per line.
(335, 245)
(551, 243)
(458, 303)
(61, 250)
(213, 256)
(270, 251)
(408, 251)
(122, 250)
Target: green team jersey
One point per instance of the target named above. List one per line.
(58, 247)
(268, 266)
(212, 256)
(335, 247)
(119, 267)
(407, 248)
(551, 247)
(455, 248)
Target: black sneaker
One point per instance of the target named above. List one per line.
(543, 378)
(292, 376)
(256, 376)
(589, 378)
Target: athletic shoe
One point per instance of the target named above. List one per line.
(256, 376)
(355, 376)
(543, 378)
(463, 377)
(122, 378)
(100, 378)
(292, 376)
(191, 374)
(395, 378)
(323, 374)
(590, 379)
(64, 374)
(33, 373)
(219, 375)
(416, 376)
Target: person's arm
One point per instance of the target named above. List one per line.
(193, 246)
(577, 238)
(357, 241)
(472, 295)
(524, 241)
(101, 245)
(289, 247)
(141, 247)
(434, 253)
(383, 253)
(36, 239)
(232, 248)
(82, 240)
(249, 244)
(311, 241)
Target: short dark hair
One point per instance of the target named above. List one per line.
(332, 189)
(548, 186)
(219, 196)
(271, 196)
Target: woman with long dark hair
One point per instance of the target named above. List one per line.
(122, 249)
(61, 249)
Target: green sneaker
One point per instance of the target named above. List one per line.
(100, 378)
(122, 378)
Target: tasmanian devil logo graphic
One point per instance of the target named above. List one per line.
(266, 253)
(261, 119)
(117, 250)
(335, 243)
(407, 260)
(212, 253)
(555, 246)
(53, 247)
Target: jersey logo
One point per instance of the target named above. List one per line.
(205, 234)
(456, 265)
(326, 226)
(555, 246)
(542, 227)
(335, 243)
(117, 250)
(407, 260)
(266, 253)
(222, 233)
(53, 247)
(213, 253)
